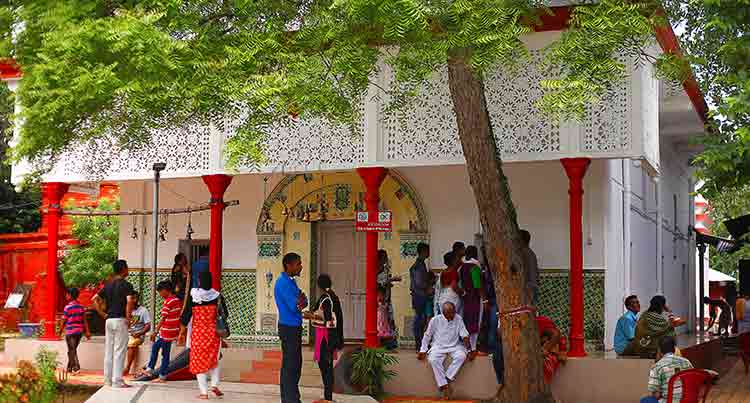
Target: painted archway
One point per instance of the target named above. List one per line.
(298, 202)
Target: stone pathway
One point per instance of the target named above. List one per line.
(734, 387)
(187, 391)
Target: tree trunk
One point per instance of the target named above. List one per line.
(524, 379)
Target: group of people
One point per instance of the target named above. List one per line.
(452, 307)
(193, 314)
(640, 334)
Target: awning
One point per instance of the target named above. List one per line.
(717, 276)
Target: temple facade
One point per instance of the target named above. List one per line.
(607, 199)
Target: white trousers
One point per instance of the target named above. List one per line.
(437, 361)
(214, 373)
(115, 350)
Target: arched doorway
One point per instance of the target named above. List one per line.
(313, 215)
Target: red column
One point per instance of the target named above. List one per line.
(372, 178)
(576, 168)
(217, 185)
(52, 194)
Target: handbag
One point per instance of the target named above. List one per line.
(222, 322)
(319, 313)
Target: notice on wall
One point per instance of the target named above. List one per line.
(380, 222)
(14, 301)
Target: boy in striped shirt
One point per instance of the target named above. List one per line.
(168, 330)
(74, 327)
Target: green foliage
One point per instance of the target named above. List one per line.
(371, 369)
(91, 262)
(19, 210)
(593, 52)
(114, 69)
(46, 363)
(31, 383)
(726, 205)
(717, 39)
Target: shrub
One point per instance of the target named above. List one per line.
(370, 369)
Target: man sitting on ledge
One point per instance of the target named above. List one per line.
(446, 332)
(625, 330)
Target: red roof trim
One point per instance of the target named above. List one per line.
(9, 69)
(557, 21)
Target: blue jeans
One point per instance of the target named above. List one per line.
(649, 399)
(492, 326)
(165, 347)
(419, 303)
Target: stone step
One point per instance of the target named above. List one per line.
(267, 364)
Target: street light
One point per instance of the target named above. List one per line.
(158, 167)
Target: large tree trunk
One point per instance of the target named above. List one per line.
(524, 379)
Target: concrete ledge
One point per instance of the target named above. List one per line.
(476, 380)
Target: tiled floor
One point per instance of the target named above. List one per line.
(734, 387)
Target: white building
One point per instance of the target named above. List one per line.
(637, 206)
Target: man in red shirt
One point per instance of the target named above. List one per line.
(168, 330)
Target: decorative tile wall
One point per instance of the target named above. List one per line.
(554, 301)
(238, 287)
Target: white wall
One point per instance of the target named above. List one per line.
(540, 193)
(640, 277)
(240, 240)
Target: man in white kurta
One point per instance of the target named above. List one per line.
(446, 336)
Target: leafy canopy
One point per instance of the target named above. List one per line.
(91, 261)
(717, 39)
(117, 68)
(19, 208)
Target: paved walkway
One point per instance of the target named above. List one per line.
(187, 391)
(734, 387)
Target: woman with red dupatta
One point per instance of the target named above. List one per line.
(553, 346)
(202, 306)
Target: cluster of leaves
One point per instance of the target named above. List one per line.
(371, 368)
(31, 382)
(91, 261)
(118, 68)
(19, 208)
(623, 29)
(725, 205)
(717, 39)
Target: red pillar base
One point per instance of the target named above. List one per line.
(372, 178)
(217, 185)
(576, 168)
(52, 194)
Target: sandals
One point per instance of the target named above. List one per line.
(217, 392)
(203, 397)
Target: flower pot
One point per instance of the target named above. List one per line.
(29, 329)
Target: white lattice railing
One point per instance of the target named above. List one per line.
(624, 124)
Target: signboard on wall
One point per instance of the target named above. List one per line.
(380, 222)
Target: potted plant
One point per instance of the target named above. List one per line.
(371, 369)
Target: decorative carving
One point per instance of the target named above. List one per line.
(310, 143)
(426, 129)
(183, 148)
(605, 127)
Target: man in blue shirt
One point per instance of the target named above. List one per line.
(290, 301)
(625, 330)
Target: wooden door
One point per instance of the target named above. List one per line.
(342, 256)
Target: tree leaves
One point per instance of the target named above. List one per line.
(117, 69)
